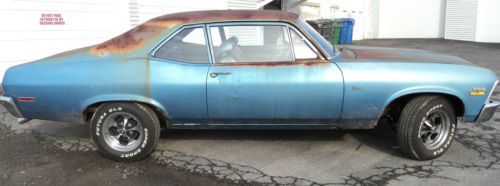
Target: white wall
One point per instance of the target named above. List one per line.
(86, 22)
(148, 9)
(488, 21)
(353, 9)
(411, 18)
(391, 18)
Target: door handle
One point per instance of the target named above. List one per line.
(215, 74)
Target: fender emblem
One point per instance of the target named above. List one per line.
(478, 92)
(26, 99)
(358, 88)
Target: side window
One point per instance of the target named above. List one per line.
(188, 46)
(300, 47)
(251, 43)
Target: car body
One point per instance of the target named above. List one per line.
(328, 87)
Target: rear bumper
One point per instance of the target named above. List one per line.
(11, 107)
(488, 111)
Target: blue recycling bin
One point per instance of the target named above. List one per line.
(346, 29)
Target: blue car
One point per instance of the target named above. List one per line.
(246, 69)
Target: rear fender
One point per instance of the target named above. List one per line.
(124, 98)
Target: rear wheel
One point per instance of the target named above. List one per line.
(426, 127)
(125, 131)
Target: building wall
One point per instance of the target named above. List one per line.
(148, 9)
(411, 19)
(390, 18)
(354, 9)
(32, 30)
(488, 21)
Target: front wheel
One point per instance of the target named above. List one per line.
(125, 131)
(426, 127)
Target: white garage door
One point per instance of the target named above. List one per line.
(35, 29)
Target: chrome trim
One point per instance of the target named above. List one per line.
(488, 111)
(10, 105)
(489, 108)
(308, 42)
(171, 35)
(23, 120)
(294, 27)
(491, 92)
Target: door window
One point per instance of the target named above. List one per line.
(251, 43)
(188, 45)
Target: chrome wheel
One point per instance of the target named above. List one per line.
(122, 131)
(435, 129)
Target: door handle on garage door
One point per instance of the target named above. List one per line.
(215, 74)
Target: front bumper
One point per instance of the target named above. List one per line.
(490, 106)
(488, 111)
(11, 107)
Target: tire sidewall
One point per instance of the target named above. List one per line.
(418, 146)
(147, 144)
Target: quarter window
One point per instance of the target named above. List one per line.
(189, 45)
(300, 47)
(251, 43)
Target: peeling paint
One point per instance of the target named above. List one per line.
(126, 42)
(137, 37)
(362, 53)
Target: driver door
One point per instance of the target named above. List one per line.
(268, 74)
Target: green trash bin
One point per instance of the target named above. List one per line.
(336, 33)
(328, 28)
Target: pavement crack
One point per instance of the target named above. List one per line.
(386, 174)
(359, 146)
(224, 170)
(483, 140)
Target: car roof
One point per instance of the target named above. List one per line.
(227, 15)
(141, 38)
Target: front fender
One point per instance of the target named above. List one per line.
(122, 97)
(425, 89)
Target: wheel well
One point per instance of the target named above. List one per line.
(90, 110)
(393, 110)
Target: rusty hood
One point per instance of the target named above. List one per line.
(383, 54)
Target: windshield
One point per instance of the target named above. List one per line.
(319, 39)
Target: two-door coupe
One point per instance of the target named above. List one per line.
(252, 70)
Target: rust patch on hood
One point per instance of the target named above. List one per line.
(144, 33)
(371, 54)
(399, 55)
